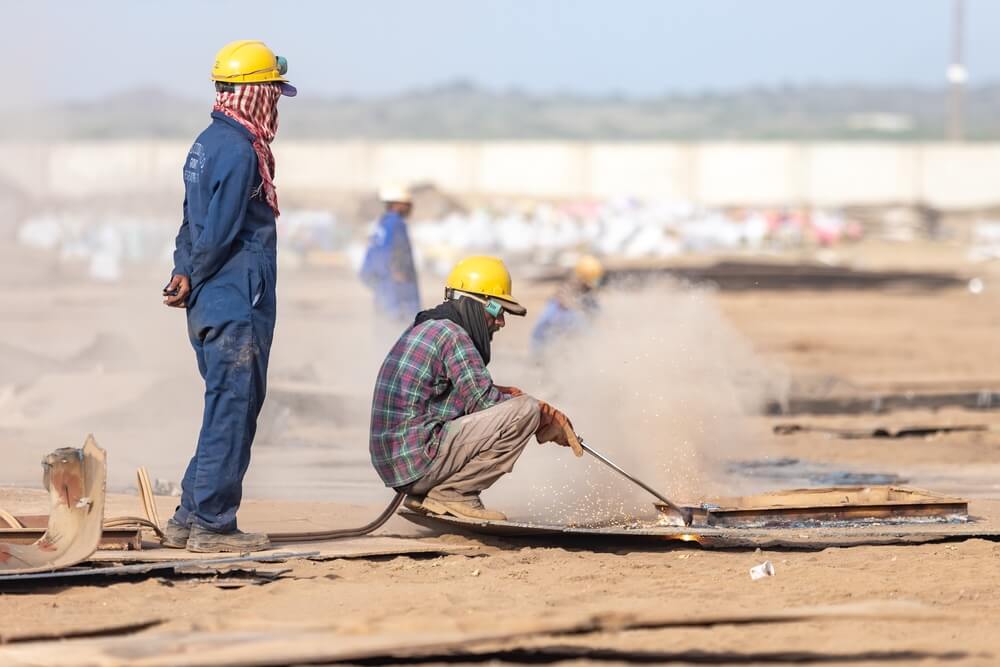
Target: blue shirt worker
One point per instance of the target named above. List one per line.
(388, 267)
(224, 275)
(571, 310)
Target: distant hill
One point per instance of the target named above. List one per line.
(464, 111)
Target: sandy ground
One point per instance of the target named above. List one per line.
(670, 392)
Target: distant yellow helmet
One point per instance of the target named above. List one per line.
(484, 276)
(250, 61)
(589, 270)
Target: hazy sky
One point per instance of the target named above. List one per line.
(74, 50)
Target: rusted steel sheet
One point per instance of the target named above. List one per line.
(145, 568)
(880, 403)
(112, 539)
(127, 538)
(831, 504)
(984, 524)
(75, 480)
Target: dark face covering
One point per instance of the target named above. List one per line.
(468, 314)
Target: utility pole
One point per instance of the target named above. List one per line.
(957, 74)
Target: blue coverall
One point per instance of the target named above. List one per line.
(389, 269)
(226, 246)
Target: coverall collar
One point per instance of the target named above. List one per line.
(218, 115)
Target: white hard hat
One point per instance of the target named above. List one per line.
(395, 193)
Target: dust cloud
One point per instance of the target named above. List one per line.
(661, 385)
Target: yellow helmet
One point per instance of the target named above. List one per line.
(484, 276)
(250, 61)
(589, 270)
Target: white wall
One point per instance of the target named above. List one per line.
(950, 176)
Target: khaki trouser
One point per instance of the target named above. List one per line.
(478, 449)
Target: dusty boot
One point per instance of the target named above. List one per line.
(203, 540)
(463, 510)
(175, 535)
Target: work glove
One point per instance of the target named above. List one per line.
(556, 427)
(513, 392)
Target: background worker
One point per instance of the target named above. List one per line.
(224, 275)
(572, 308)
(388, 266)
(440, 429)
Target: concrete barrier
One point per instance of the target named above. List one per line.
(947, 176)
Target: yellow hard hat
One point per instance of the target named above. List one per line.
(484, 276)
(589, 270)
(250, 61)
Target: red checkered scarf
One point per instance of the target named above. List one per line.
(255, 107)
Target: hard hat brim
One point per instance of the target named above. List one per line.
(512, 307)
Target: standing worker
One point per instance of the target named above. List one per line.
(388, 267)
(224, 275)
(572, 308)
(440, 429)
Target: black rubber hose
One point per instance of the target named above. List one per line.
(323, 535)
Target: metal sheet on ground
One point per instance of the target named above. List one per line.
(362, 547)
(719, 537)
(75, 480)
(77, 630)
(830, 505)
(121, 539)
(856, 405)
(69, 574)
(297, 645)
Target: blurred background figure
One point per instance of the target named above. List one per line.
(388, 268)
(572, 308)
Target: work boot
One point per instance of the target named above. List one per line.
(463, 510)
(414, 503)
(175, 535)
(206, 541)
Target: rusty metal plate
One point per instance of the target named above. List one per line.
(112, 539)
(857, 504)
(75, 480)
(803, 535)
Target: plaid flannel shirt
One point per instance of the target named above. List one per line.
(432, 375)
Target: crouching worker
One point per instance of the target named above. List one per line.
(440, 429)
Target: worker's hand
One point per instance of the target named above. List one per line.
(510, 391)
(176, 292)
(556, 427)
